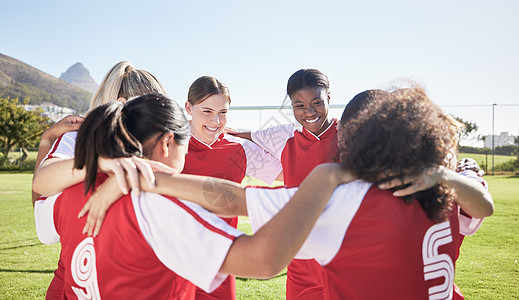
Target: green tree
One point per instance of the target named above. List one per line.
(19, 127)
(516, 144)
(516, 153)
(466, 133)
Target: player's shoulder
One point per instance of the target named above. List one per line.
(354, 188)
(245, 144)
(66, 139)
(234, 139)
(163, 203)
(70, 134)
(287, 129)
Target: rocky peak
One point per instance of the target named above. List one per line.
(79, 76)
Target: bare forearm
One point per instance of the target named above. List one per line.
(471, 196)
(269, 250)
(44, 148)
(220, 196)
(55, 176)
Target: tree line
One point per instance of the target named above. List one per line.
(20, 128)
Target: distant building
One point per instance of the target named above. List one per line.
(503, 139)
(52, 111)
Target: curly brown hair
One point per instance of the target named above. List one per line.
(397, 134)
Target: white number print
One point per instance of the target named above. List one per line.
(438, 265)
(84, 271)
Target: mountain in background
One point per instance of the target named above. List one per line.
(79, 76)
(19, 80)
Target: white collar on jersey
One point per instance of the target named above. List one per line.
(318, 137)
(208, 146)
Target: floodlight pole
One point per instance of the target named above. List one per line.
(493, 106)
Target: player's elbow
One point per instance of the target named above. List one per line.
(36, 184)
(269, 268)
(486, 209)
(39, 184)
(489, 210)
(269, 264)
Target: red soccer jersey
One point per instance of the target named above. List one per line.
(468, 224)
(147, 242)
(62, 148)
(300, 151)
(372, 245)
(391, 250)
(229, 158)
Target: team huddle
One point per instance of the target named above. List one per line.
(374, 205)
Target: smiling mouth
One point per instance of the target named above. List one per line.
(214, 130)
(311, 121)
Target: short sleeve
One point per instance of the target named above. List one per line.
(265, 203)
(64, 146)
(468, 224)
(325, 239)
(261, 164)
(186, 238)
(274, 139)
(44, 219)
(474, 176)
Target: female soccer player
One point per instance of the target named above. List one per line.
(380, 246)
(370, 243)
(300, 148)
(214, 153)
(211, 151)
(150, 241)
(123, 81)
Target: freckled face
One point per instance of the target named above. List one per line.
(310, 107)
(208, 117)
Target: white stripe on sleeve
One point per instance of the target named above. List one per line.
(260, 164)
(326, 237)
(44, 219)
(470, 225)
(274, 139)
(186, 238)
(265, 203)
(63, 147)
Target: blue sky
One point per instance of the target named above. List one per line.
(463, 52)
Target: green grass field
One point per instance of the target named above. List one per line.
(488, 267)
(480, 158)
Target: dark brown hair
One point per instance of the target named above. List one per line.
(119, 130)
(395, 134)
(205, 87)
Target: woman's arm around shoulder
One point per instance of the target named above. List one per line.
(267, 252)
(471, 196)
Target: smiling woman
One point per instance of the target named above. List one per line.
(301, 147)
(213, 153)
(308, 90)
(207, 103)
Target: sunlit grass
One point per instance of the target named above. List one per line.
(488, 267)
